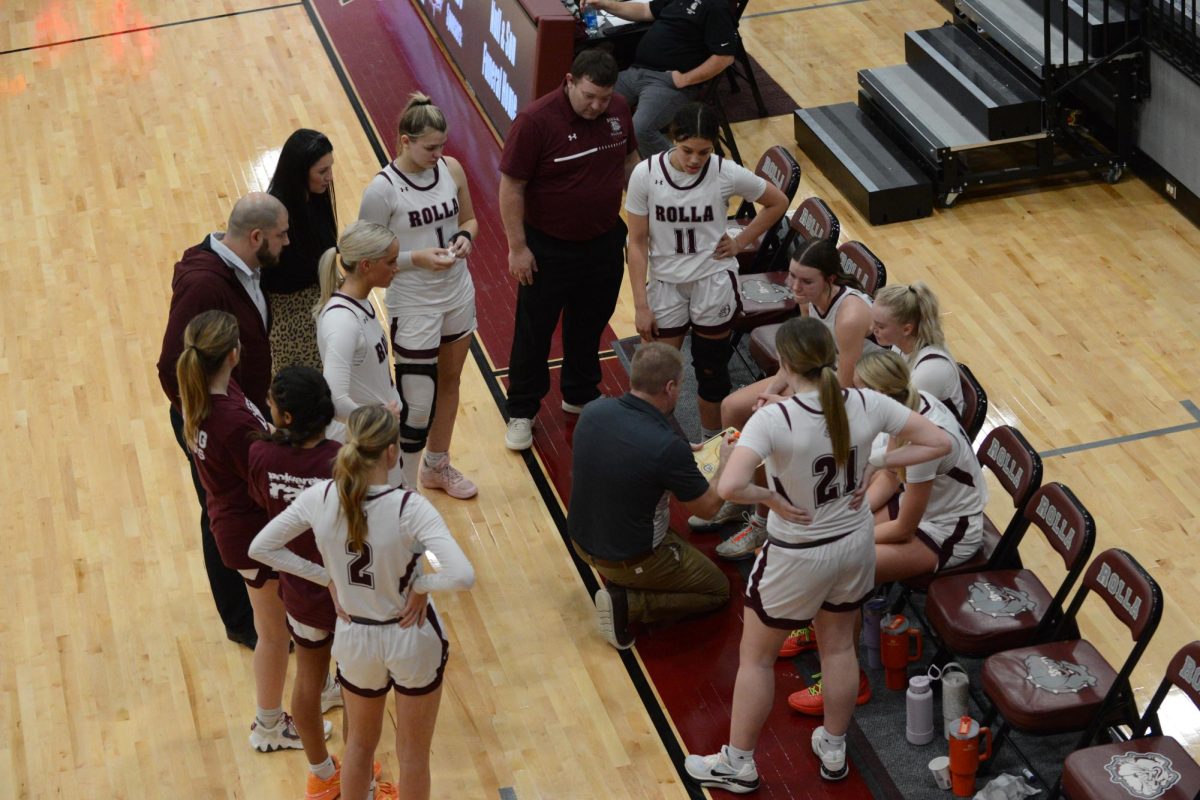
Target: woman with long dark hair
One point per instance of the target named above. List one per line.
(303, 181)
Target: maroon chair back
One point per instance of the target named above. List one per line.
(813, 220)
(780, 169)
(975, 402)
(1014, 462)
(1128, 590)
(860, 262)
(1184, 671)
(1067, 525)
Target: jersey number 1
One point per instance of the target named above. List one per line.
(680, 235)
(825, 470)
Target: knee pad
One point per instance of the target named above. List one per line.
(710, 359)
(417, 385)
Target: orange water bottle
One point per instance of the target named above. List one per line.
(969, 744)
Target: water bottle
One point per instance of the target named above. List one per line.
(872, 615)
(591, 20)
(919, 708)
(955, 691)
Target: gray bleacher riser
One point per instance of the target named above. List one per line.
(1017, 27)
(870, 170)
(1122, 21)
(979, 82)
(927, 119)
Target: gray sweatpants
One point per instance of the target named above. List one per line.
(654, 99)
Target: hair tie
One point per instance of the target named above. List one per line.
(337, 249)
(912, 288)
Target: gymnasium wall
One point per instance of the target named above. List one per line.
(1167, 125)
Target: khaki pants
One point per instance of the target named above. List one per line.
(677, 581)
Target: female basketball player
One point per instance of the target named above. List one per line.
(677, 204)
(422, 197)
(820, 558)
(303, 181)
(939, 521)
(295, 456)
(352, 342)
(907, 318)
(219, 424)
(371, 535)
(835, 299)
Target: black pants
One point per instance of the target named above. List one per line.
(579, 281)
(228, 589)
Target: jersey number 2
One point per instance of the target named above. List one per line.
(825, 469)
(360, 567)
(685, 236)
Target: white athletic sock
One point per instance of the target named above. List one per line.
(324, 770)
(435, 460)
(269, 717)
(329, 683)
(412, 470)
(738, 757)
(759, 520)
(833, 742)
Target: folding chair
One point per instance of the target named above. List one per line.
(859, 261)
(780, 169)
(1009, 456)
(975, 402)
(1148, 764)
(726, 144)
(980, 613)
(1066, 685)
(741, 68)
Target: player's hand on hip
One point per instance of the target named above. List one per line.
(788, 511)
(646, 324)
(337, 607)
(434, 259)
(727, 247)
(860, 494)
(522, 265)
(414, 610)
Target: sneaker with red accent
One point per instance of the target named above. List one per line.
(745, 543)
(448, 479)
(811, 701)
(799, 641)
(386, 791)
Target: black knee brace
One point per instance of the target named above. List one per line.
(710, 359)
(412, 440)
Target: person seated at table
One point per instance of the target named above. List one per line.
(688, 43)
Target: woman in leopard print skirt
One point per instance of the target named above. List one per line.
(303, 181)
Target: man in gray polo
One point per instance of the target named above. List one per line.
(628, 459)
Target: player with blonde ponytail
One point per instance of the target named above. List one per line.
(371, 536)
(219, 426)
(818, 561)
(907, 317)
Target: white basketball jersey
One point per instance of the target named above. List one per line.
(829, 318)
(959, 489)
(792, 438)
(422, 210)
(375, 582)
(686, 214)
(934, 371)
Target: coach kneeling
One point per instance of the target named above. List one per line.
(627, 459)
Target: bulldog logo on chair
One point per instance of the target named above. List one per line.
(1144, 775)
(998, 601)
(1057, 677)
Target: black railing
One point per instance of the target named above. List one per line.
(1172, 31)
(1085, 48)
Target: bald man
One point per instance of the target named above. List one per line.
(224, 273)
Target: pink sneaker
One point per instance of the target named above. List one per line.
(448, 479)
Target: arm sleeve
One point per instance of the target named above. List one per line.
(741, 182)
(680, 474)
(938, 376)
(756, 435)
(455, 571)
(890, 414)
(720, 34)
(637, 196)
(257, 482)
(340, 342)
(270, 545)
(521, 149)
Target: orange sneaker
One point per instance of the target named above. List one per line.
(331, 789)
(811, 701)
(386, 791)
(798, 641)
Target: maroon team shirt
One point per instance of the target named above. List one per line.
(279, 472)
(222, 459)
(575, 167)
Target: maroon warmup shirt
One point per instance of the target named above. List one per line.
(279, 472)
(575, 167)
(222, 460)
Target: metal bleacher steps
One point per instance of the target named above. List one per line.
(870, 169)
(978, 101)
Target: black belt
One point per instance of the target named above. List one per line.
(365, 621)
(806, 545)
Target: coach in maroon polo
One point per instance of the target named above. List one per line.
(566, 161)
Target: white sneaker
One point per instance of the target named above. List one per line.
(728, 512)
(716, 771)
(571, 408)
(520, 434)
(745, 543)
(331, 695)
(281, 737)
(833, 760)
